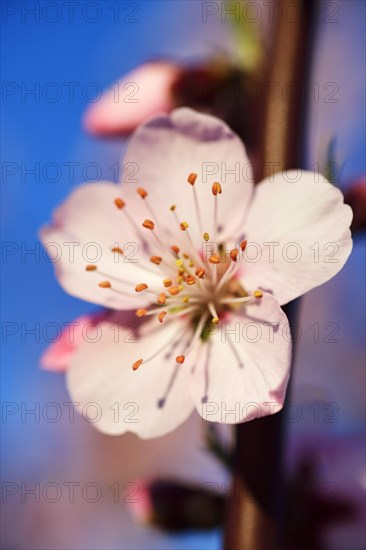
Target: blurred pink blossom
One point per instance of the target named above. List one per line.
(143, 92)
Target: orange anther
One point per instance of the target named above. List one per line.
(200, 272)
(174, 290)
(234, 254)
(161, 298)
(214, 259)
(140, 287)
(216, 188)
(119, 203)
(140, 312)
(161, 316)
(156, 260)
(143, 194)
(149, 224)
(192, 178)
(117, 249)
(136, 365)
(105, 284)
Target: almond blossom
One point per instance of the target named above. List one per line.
(206, 260)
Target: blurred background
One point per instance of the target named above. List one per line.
(57, 58)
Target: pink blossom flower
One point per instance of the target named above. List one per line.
(137, 96)
(215, 261)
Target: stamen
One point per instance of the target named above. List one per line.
(190, 280)
(184, 226)
(161, 298)
(206, 237)
(167, 283)
(179, 361)
(156, 260)
(231, 270)
(242, 300)
(118, 250)
(200, 272)
(140, 287)
(136, 365)
(258, 293)
(174, 290)
(143, 194)
(105, 284)
(140, 312)
(91, 267)
(119, 203)
(110, 277)
(186, 299)
(149, 224)
(234, 254)
(175, 249)
(173, 209)
(192, 178)
(214, 259)
(243, 245)
(161, 316)
(121, 292)
(216, 188)
(215, 317)
(158, 351)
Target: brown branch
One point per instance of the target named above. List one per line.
(255, 506)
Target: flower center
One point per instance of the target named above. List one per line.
(203, 287)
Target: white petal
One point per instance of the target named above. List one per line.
(236, 386)
(308, 225)
(85, 228)
(128, 400)
(168, 148)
